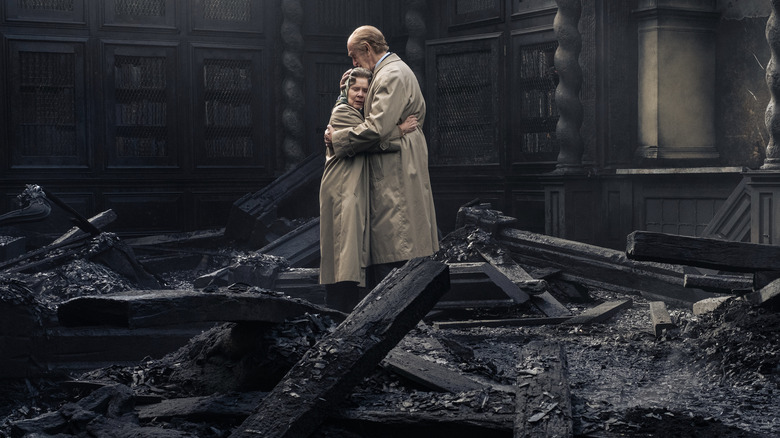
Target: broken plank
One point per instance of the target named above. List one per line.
(170, 307)
(505, 268)
(543, 400)
(768, 296)
(600, 313)
(300, 247)
(702, 252)
(318, 383)
(427, 373)
(99, 221)
(252, 216)
(204, 408)
(509, 322)
(601, 267)
(718, 283)
(504, 271)
(443, 422)
(660, 317)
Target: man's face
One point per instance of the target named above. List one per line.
(360, 54)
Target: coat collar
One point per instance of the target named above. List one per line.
(392, 57)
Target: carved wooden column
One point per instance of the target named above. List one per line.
(292, 83)
(567, 94)
(771, 117)
(676, 96)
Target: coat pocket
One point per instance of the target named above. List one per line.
(384, 165)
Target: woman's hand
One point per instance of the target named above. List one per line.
(409, 125)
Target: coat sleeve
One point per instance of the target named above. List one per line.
(380, 124)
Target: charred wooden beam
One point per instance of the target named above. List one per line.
(300, 247)
(315, 386)
(217, 407)
(703, 252)
(660, 317)
(718, 283)
(505, 266)
(601, 267)
(482, 216)
(469, 287)
(429, 374)
(543, 399)
(253, 214)
(508, 322)
(600, 313)
(767, 296)
(83, 223)
(170, 307)
(98, 221)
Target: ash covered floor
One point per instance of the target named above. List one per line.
(714, 374)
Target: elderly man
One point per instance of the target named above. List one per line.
(402, 216)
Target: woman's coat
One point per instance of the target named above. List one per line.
(344, 237)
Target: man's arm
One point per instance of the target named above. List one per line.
(380, 124)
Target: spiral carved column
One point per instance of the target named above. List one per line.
(292, 83)
(415, 45)
(567, 94)
(771, 116)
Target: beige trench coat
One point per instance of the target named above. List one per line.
(344, 237)
(402, 216)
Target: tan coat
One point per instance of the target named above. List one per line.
(344, 209)
(402, 216)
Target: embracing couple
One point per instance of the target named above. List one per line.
(376, 205)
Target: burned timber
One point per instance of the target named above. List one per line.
(501, 333)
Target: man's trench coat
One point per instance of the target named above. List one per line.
(402, 217)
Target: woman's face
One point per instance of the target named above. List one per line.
(356, 95)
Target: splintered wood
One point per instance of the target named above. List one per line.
(543, 399)
(316, 385)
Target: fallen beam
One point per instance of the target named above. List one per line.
(469, 287)
(507, 273)
(316, 385)
(600, 267)
(718, 283)
(702, 252)
(660, 318)
(768, 296)
(429, 374)
(300, 247)
(600, 313)
(252, 216)
(136, 309)
(509, 322)
(98, 221)
(543, 399)
(217, 407)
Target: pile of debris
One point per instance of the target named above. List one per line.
(501, 333)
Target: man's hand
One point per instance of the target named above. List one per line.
(329, 135)
(343, 81)
(409, 125)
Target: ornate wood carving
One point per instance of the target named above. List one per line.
(567, 94)
(771, 117)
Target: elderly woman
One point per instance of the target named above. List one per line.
(344, 242)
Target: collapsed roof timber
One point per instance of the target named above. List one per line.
(501, 333)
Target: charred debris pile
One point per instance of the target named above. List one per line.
(502, 333)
